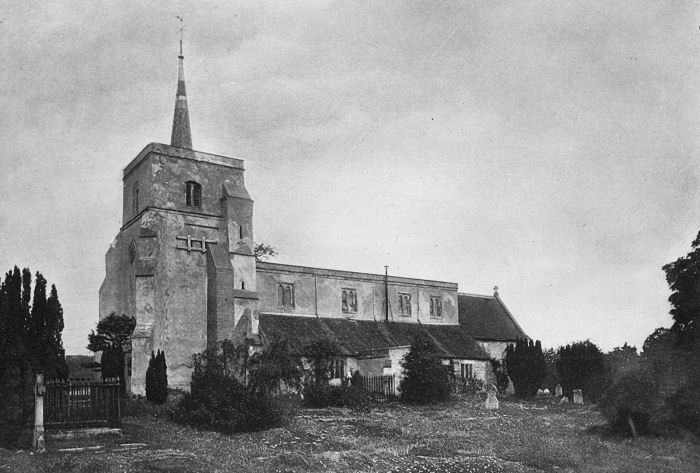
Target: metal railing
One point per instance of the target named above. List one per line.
(76, 403)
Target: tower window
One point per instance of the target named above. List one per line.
(285, 295)
(240, 232)
(404, 304)
(349, 300)
(193, 194)
(436, 307)
(135, 198)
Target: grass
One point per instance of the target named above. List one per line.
(456, 436)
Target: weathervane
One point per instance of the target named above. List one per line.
(182, 28)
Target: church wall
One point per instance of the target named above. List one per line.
(495, 349)
(319, 292)
(140, 175)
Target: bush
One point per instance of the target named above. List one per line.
(157, 379)
(526, 367)
(471, 385)
(581, 366)
(632, 403)
(685, 407)
(219, 402)
(501, 376)
(425, 379)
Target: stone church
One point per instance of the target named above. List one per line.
(183, 264)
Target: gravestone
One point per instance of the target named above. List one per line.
(540, 392)
(563, 400)
(491, 399)
(546, 392)
(558, 392)
(578, 396)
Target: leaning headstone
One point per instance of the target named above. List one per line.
(546, 392)
(491, 399)
(578, 396)
(563, 400)
(558, 391)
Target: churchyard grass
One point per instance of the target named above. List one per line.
(455, 436)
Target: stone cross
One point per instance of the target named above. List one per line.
(578, 396)
(491, 399)
(38, 437)
(558, 391)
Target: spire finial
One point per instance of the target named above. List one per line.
(182, 28)
(181, 136)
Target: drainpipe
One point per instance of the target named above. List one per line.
(386, 292)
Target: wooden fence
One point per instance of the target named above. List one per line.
(383, 386)
(76, 403)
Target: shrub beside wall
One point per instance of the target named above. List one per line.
(425, 379)
(157, 379)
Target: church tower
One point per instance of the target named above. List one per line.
(183, 262)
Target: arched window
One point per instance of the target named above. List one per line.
(193, 194)
(135, 198)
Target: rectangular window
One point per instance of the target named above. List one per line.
(404, 304)
(467, 370)
(285, 295)
(349, 300)
(435, 307)
(337, 368)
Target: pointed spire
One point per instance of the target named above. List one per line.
(181, 136)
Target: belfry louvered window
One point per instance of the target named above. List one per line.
(193, 194)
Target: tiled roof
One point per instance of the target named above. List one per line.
(487, 318)
(362, 336)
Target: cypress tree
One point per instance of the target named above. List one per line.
(16, 376)
(55, 323)
(157, 379)
(151, 383)
(162, 378)
(526, 367)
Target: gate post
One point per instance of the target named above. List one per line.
(39, 391)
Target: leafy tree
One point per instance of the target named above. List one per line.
(501, 375)
(157, 379)
(264, 252)
(683, 277)
(274, 365)
(581, 366)
(218, 401)
(425, 379)
(317, 391)
(112, 336)
(526, 367)
(319, 354)
(621, 360)
(632, 402)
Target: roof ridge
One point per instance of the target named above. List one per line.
(484, 296)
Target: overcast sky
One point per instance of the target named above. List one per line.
(549, 147)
